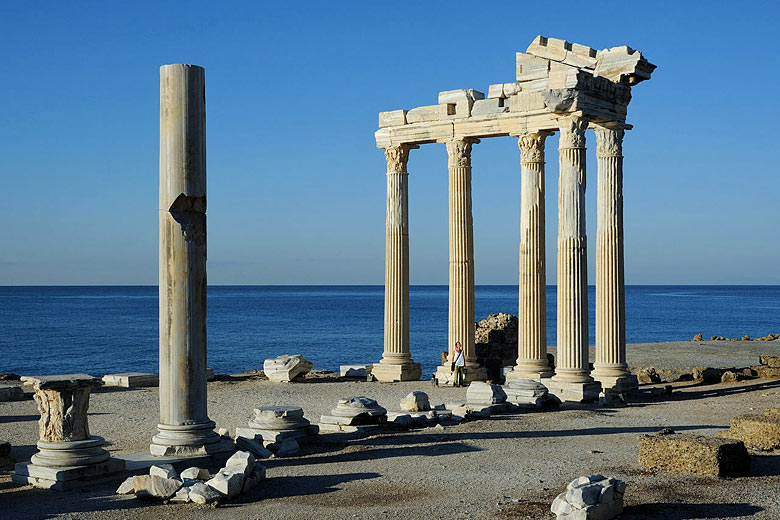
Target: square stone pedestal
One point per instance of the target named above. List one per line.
(445, 377)
(620, 385)
(63, 478)
(390, 373)
(572, 391)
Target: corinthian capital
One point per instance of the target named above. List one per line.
(397, 157)
(459, 152)
(532, 147)
(609, 142)
(572, 131)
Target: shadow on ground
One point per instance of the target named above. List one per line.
(676, 511)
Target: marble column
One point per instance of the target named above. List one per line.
(610, 367)
(184, 429)
(396, 363)
(572, 380)
(461, 229)
(532, 327)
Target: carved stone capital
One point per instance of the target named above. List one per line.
(572, 131)
(459, 152)
(397, 157)
(532, 147)
(609, 141)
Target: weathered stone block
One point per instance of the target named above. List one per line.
(769, 361)
(200, 493)
(758, 432)
(392, 118)
(196, 473)
(353, 370)
(126, 487)
(131, 379)
(481, 393)
(228, 483)
(415, 402)
(164, 471)
(283, 369)
(669, 451)
(241, 462)
(153, 486)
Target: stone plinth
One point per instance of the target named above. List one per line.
(352, 413)
(445, 376)
(392, 373)
(528, 393)
(578, 392)
(757, 432)
(669, 451)
(486, 394)
(277, 424)
(67, 453)
(131, 379)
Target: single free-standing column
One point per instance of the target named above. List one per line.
(610, 367)
(396, 363)
(571, 372)
(184, 428)
(461, 293)
(532, 329)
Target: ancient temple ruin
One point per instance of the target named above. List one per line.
(560, 87)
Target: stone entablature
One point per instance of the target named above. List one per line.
(553, 77)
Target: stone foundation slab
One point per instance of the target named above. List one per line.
(574, 392)
(387, 373)
(693, 454)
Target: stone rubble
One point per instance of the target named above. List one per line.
(529, 393)
(415, 402)
(241, 473)
(285, 369)
(276, 430)
(353, 413)
(593, 497)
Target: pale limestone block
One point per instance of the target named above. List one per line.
(426, 113)
(482, 393)
(392, 118)
(288, 448)
(489, 106)
(182, 495)
(126, 487)
(531, 67)
(153, 486)
(164, 471)
(228, 483)
(200, 493)
(196, 473)
(241, 461)
(510, 89)
(623, 65)
(453, 96)
(131, 379)
(415, 402)
(284, 369)
(353, 370)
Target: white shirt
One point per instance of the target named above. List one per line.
(460, 360)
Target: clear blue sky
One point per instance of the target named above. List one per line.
(296, 185)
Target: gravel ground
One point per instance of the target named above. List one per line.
(505, 467)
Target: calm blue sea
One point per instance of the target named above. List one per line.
(46, 330)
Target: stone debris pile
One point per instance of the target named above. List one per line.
(353, 413)
(670, 451)
(593, 497)
(276, 430)
(284, 369)
(529, 393)
(757, 432)
(416, 411)
(240, 474)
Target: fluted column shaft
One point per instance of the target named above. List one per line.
(532, 330)
(610, 286)
(461, 229)
(572, 254)
(396, 340)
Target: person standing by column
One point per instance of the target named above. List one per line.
(458, 362)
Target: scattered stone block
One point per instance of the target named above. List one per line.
(481, 393)
(594, 497)
(769, 361)
(153, 486)
(765, 372)
(529, 393)
(357, 371)
(706, 375)
(757, 432)
(201, 493)
(182, 495)
(11, 393)
(415, 402)
(195, 473)
(131, 379)
(288, 448)
(729, 377)
(126, 487)
(669, 451)
(352, 412)
(284, 369)
(164, 471)
(241, 462)
(647, 375)
(400, 419)
(227, 482)
(253, 446)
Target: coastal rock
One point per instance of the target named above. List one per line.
(284, 369)
(415, 402)
(153, 486)
(200, 493)
(9, 376)
(698, 337)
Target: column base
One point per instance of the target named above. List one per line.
(535, 371)
(445, 377)
(624, 384)
(188, 440)
(387, 373)
(70, 453)
(574, 391)
(63, 478)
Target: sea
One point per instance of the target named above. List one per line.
(109, 329)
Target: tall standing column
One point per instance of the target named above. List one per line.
(610, 367)
(461, 294)
(396, 363)
(184, 428)
(571, 378)
(532, 328)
